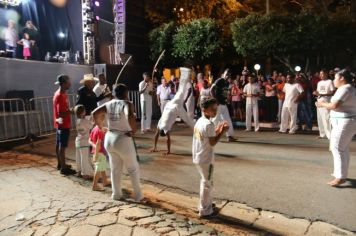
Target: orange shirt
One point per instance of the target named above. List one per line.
(280, 94)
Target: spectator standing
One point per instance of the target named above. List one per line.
(236, 103)
(271, 100)
(11, 38)
(281, 96)
(163, 94)
(252, 92)
(146, 93)
(102, 90)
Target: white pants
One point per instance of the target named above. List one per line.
(252, 109)
(280, 105)
(289, 114)
(342, 132)
(206, 189)
(190, 108)
(146, 114)
(83, 161)
(224, 115)
(163, 104)
(122, 152)
(324, 122)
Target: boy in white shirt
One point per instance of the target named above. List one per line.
(294, 92)
(324, 92)
(146, 92)
(205, 137)
(252, 92)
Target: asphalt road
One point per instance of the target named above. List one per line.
(267, 170)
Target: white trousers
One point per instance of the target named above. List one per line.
(121, 151)
(324, 122)
(163, 104)
(252, 109)
(206, 188)
(289, 117)
(342, 132)
(224, 115)
(280, 106)
(146, 114)
(190, 108)
(83, 161)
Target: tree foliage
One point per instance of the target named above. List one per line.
(197, 41)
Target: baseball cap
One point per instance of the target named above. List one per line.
(61, 79)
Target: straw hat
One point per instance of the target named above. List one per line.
(88, 77)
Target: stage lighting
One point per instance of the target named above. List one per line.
(97, 18)
(61, 35)
(97, 3)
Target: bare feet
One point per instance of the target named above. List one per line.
(336, 182)
(98, 188)
(107, 182)
(167, 153)
(87, 177)
(153, 150)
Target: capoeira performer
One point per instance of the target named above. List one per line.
(342, 108)
(172, 111)
(325, 89)
(146, 93)
(118, 142)
(252, 92)
(220, 90)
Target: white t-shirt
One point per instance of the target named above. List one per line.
(117, 115)
(346, 94)
(251, 89)
(26, 43)
(164, 92)
(83, 127)
(100, 89)
(146, 94)
(203, 152)
(325, 87)
(292, 92)
(169, 116)
(11, 37)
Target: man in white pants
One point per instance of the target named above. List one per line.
(163, 94)
(220, 90)
(146, 91)
(189, 99)
(172, 111)
(119, 144)
(294, 92)
(325, 89)
(252, 92)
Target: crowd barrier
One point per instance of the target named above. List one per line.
(20, 119)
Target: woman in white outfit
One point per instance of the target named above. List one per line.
(118, 140)
(343, 121)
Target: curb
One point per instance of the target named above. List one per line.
(242, 214)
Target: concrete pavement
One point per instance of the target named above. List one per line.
(266, 170)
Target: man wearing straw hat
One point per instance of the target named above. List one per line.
(86, 95)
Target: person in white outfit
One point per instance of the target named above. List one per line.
(11, 38)
(146, 92)
(102, 89)
(293, 93)
(342, 108)
(205, 137)
(325, 89)
(189, 99)
(118, 142)
(83, 126)
(220, 90)
(163, 94)
(252, 92)
(172, 111)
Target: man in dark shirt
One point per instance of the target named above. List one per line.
(86, 95)
(220, 90)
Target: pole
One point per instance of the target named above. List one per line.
(267, 7)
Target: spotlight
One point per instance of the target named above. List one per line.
(61, 35)
(257, 67)
(97, 18)
(97, 3)
(297, 68)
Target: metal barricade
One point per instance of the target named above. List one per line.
(41, 115)
(13, 120)
(134, 96)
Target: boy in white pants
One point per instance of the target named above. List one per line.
(252, 92)
(205, 137)
(324, 91)
(294, 92)
(172, 111)
(83, 126)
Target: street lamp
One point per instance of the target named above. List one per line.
(257, 67)
(297, 68)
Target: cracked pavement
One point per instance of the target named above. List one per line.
(36, 200)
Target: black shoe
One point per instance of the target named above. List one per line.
(67, 166)
(68, 171)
